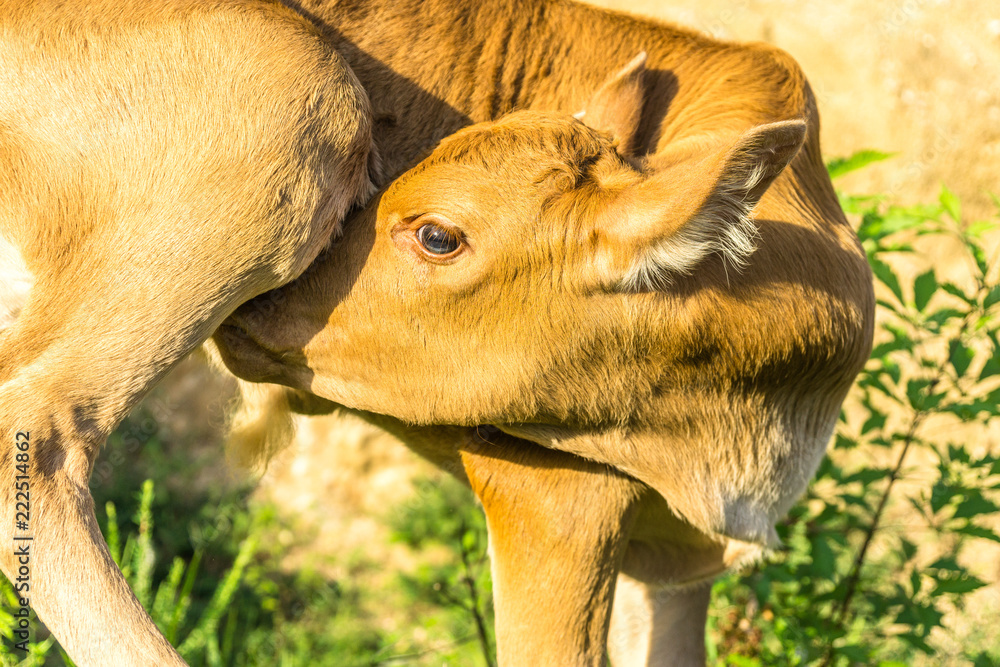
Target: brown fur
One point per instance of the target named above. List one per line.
(713, 386)
(157, 168)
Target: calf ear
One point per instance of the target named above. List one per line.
(616, 108)
(699, 203)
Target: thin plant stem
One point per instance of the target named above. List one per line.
(477, 615)
(854, 577)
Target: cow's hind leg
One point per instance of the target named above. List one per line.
(143, 224)
(89, 343)
(92, 338)
(658, 626)
(82, 353)
(56, 558)
(558, 526)
(53, 419)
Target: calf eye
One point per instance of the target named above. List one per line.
(437, 240)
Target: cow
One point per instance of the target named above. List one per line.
(635, 375)
(160, 163)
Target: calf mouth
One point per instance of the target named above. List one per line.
(248, 359)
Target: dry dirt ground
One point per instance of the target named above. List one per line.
(918, 78)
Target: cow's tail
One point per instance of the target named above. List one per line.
(261, 423)
(260, 427)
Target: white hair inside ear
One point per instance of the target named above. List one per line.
(725, 227)
(701, 203)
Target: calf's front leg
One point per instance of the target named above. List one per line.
(558, 526)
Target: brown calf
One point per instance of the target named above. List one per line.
(661, 394)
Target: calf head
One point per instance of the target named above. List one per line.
(524, 272)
